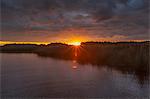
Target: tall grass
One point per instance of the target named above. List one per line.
(127, 57)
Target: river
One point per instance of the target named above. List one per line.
(28, 75)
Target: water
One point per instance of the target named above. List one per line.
(28, 75)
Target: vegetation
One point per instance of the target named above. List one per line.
(19, 48)
(127, 57)
(96, 53)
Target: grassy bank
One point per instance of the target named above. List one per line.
(126, 57)
(96, 53)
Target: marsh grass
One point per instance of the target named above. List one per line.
(127, 57)
(96, 53)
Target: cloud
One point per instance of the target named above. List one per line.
(99, 18)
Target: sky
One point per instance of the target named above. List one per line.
(74, 20)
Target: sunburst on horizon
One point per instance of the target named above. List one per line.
(75, 43)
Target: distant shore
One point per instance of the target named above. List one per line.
(123, 56)
(106, 53)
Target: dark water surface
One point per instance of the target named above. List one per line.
(28, 75)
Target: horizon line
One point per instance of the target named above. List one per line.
(46, 43)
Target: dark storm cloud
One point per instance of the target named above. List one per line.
(105, 18)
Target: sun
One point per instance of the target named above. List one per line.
(75, 43)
